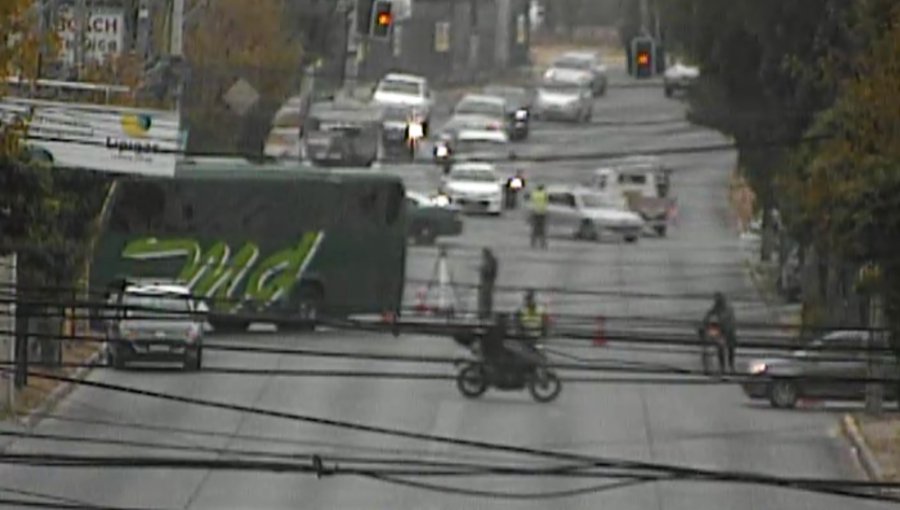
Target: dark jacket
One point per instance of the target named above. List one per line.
(724, 314)
(488, 269)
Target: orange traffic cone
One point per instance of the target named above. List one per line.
(599, 334)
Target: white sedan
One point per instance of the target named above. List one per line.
(578, 211)
(475, 187)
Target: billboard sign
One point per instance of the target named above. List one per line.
(101, 138)
(104, 37)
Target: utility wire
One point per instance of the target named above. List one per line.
(838, 487)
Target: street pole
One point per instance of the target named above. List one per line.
(351, 62)
(81, 21)
(645, 13)
(176, 45)
(144, 28)
(874, 388)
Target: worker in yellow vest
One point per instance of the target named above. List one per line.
(539, 202)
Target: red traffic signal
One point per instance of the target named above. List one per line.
(643, 59)
(382, 19)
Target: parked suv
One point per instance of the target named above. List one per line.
(155, 322)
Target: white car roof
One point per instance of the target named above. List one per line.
(411, 78)
(168, 288)
(560, 75)
(478, 166)
(483, 98)
(482, 135)
(581, 55)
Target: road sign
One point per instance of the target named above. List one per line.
(241, 97)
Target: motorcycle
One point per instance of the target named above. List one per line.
(712, 341)
(478, 375)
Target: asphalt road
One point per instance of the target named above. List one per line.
(710, 426)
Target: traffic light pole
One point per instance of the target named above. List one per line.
(351, 61)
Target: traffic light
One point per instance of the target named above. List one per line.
(382, 19)
(643, 55)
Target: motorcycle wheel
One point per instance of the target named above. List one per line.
(545, 386)
(471, 381)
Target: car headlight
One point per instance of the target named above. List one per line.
(442, 200)
(758, 368)
(521, 114)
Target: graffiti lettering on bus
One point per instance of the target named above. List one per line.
(217, 274)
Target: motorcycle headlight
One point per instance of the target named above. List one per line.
(416, 131)
(516, 183)
(521, 114)
(441, 151)
(758, 368)
(442, 200)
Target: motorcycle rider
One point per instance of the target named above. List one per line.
(722, 313)
(530, 327)
(513, 186)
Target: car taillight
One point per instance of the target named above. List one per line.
(193, 333)
(494, 126)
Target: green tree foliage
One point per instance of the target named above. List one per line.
(43, 211)
(226, 47)
(847, 190)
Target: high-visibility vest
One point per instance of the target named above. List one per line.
(532, 320)
(539, 201)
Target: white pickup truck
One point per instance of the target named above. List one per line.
(641, 184)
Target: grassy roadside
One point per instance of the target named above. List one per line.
(882, 435)
(41, 395)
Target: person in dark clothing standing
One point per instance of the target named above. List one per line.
(723, 314)
(488, 277)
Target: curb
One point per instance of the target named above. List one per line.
(861, 450)
(58, 394)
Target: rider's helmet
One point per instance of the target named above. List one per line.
(719, 299)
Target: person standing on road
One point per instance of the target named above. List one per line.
(723, 314)
(539, 202)
(488, 276)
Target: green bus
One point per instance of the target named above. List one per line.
(278, 243)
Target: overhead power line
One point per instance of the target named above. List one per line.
(837, 487)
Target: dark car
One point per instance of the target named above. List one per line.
(429, 219)
(519, 102)
(832, 367)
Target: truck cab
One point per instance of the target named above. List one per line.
(641, 184)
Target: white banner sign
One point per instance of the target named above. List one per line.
(104, 36)
(102, 138)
